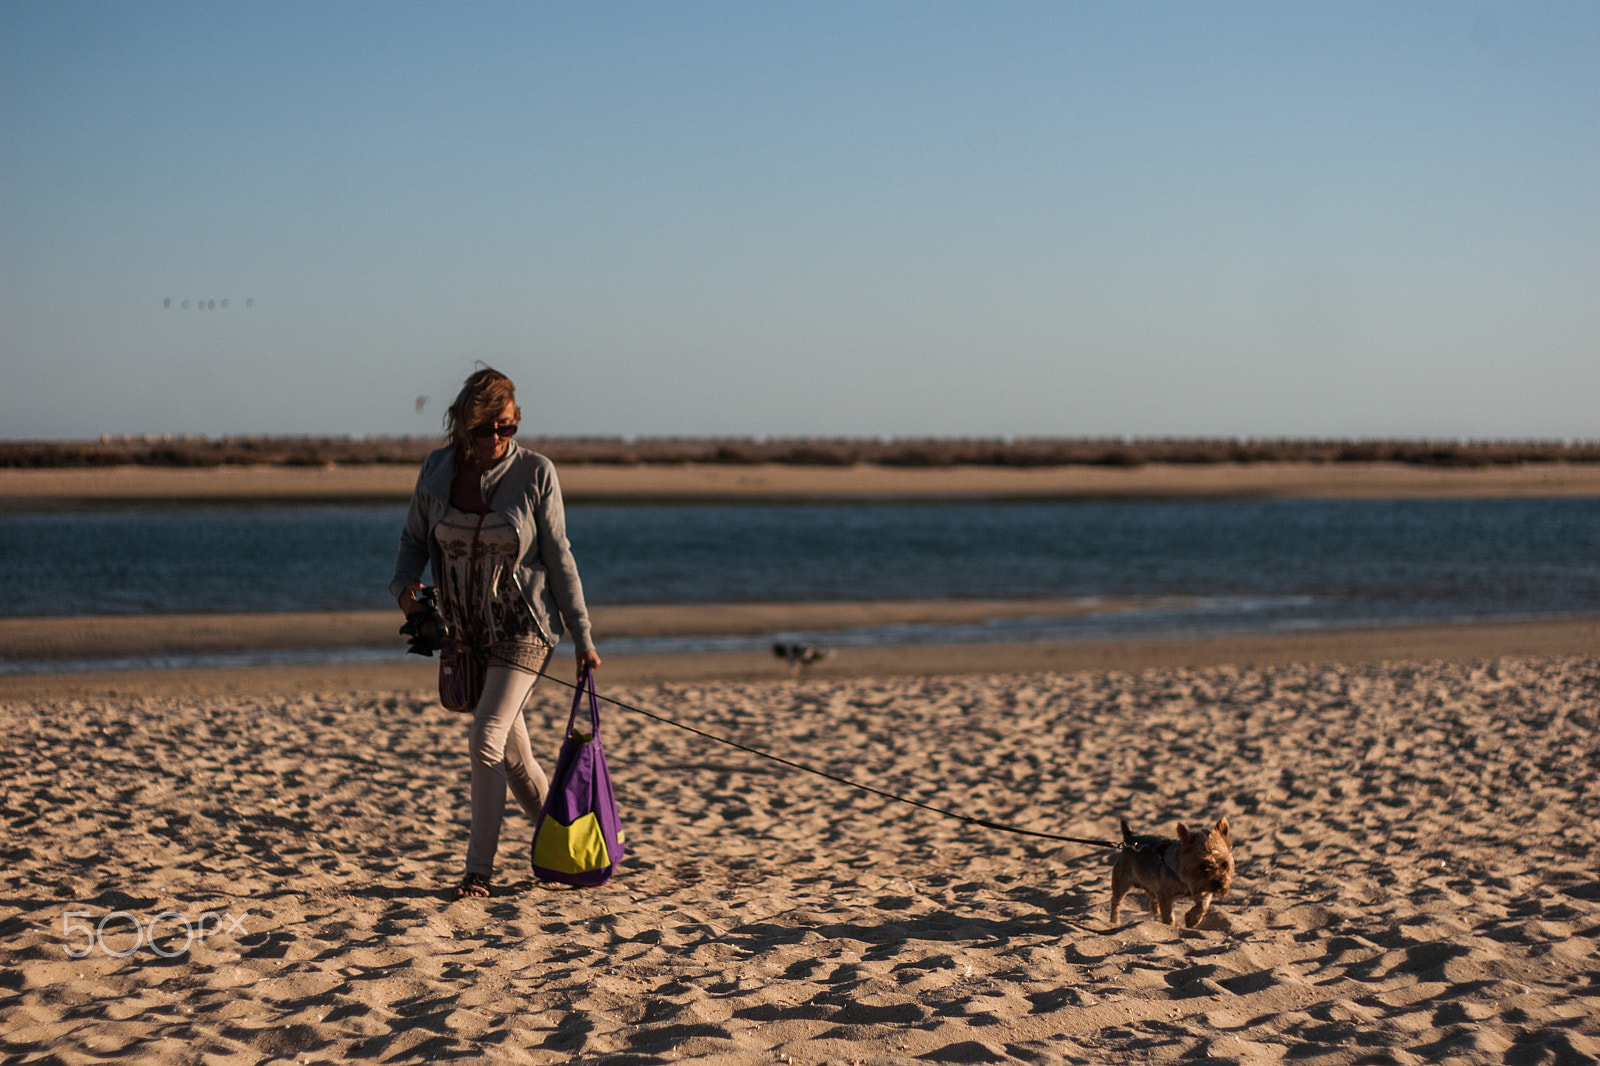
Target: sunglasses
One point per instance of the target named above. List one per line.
(498, 429)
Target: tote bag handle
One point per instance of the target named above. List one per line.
(585, 685)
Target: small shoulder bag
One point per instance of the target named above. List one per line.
(460, 676)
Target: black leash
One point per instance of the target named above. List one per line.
(969, 819)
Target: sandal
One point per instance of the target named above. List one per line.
(473, 886)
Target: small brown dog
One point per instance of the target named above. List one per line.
(1196, 865)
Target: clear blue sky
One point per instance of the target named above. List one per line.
(1331, 219)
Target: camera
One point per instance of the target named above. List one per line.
(426, 628)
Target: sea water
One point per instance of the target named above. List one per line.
(1195, 566)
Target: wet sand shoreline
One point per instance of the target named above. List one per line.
(84, 636)
(1440, 643)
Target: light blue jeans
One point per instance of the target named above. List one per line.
(501, 756)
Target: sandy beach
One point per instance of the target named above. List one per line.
(129, 485)
(1413, 808)
(1415, 844)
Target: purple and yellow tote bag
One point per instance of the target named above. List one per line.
(579, 839)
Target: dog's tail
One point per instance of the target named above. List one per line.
(1127, 834)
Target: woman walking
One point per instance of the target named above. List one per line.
(486, 517)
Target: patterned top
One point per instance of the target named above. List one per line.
(530, 494)
(479, 599)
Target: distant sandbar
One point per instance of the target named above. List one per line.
(129, 485)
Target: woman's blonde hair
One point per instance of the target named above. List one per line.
(482, 397)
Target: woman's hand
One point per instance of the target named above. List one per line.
(587, 660)
(408, 599)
